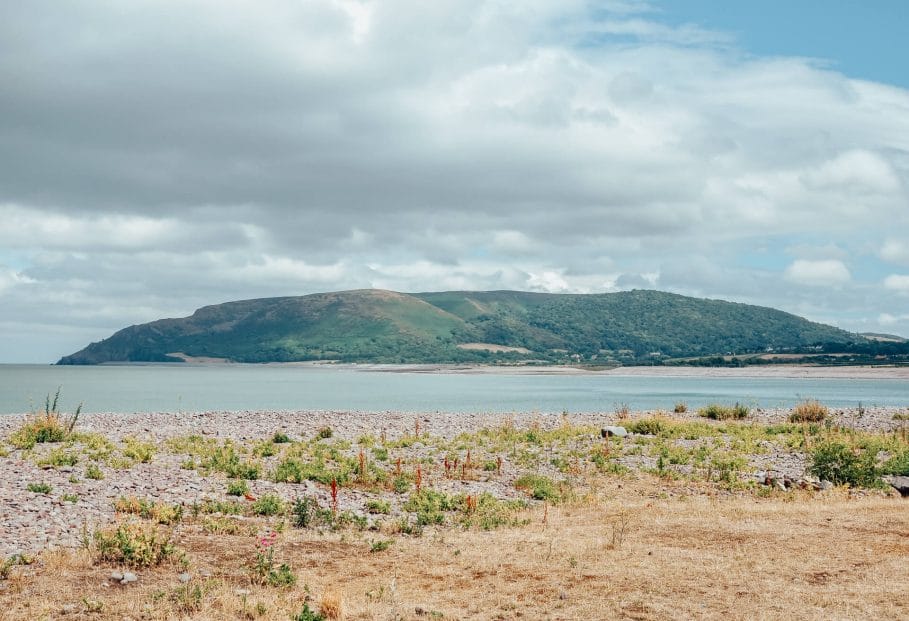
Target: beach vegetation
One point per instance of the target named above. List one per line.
(810, 411)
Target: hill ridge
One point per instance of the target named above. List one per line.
(379, 325)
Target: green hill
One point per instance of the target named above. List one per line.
(475, 326)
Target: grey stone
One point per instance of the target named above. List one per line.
(184, 577)
(68, 609)
(900, 484)
(116, 575)
(825, 485)
(128, 577)
(613, 430)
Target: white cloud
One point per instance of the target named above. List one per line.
(823, 273)
(895, 251)
(898, 283)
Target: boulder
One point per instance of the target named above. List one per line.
(613, 430)
(900, 484)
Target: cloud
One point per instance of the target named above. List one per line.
(898, 283)
(166, 155)
(824, 273)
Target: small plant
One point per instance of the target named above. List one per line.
(324, 433)
(724, 412)
(269, 504)
(138, 451)
(6, 567)
(134, 545)
(809, 412)
(73, 498)
(307, 614)
(380, 545)
(842, 464)
(40, 488)
(680, 408)
(646, 426)
(265, 571)
(93, 471)
(539, 487)
(47, 426)
(378, 506)
(160, 512)
(330, 605)
(622, 411)
(237, 487)
(280, 438)
(59, 458)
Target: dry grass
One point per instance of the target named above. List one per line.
(809, 412)
(633, 548)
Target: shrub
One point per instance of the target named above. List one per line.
(680, 408)
(138, 451)
(842, 464)
(380, 545)
(59, 458)
(238, 487)
(47, 426)
(265, 570)
(92, 471)
(280, 438)
(724, 412)
(269, 504)
(898, 464)
(324, 433)
(134, 545)
(378, 506)
(308, 615)
(160, 512)
(809, 412)
(646, 426)
(40, 488)
(539, 487)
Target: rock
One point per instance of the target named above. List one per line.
(116, 576)
(900, 484)
(184, 577)
(613, 430)
(825, 485)
(68, 609)
(128, 577)
(241, 592)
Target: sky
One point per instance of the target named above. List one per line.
(158, 156)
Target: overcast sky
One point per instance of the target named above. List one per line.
(157, 156)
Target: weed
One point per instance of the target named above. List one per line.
(73, 498)
(47, 426)
(646, 426)
(324, 433)
(160, 512)
(39, 488)
(92, 471)
(840, 464)
(59, 458)
(269, 504)
(280, 438)
(216, 525)
(330, 605)
(307, 614)
(680, 408)
(724, 412)
(809, 412)
(188, 598)
(237, 487)
(265, 570)
(378, 506)
(134, 545)
(539, 487)
(138, 451)
(380, 545)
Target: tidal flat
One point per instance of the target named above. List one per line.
(754, 513)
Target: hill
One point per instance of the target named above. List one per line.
(466, 326)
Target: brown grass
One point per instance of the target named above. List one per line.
(809, 412)
(633, 548)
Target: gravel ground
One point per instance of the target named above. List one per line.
(32, 521)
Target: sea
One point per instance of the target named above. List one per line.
(237, 387)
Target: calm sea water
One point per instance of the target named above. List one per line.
(157, 388)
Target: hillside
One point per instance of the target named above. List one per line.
(384, 326)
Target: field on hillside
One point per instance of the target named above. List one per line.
(324, 516)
